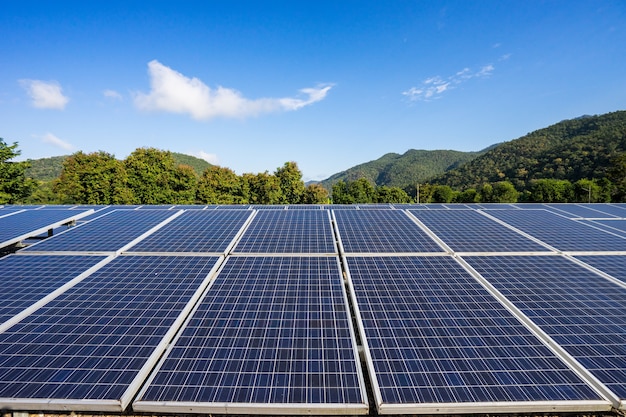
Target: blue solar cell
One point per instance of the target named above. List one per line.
(582, 311)
(288, 231)
(208, 231)
(612, 226)
(381, 231)
(612, 209)
(560, 232)
(27, 279)
(470, 231)
(614, 265)
(578, 211)
(20, 225)
(84, 349)
(271, 331)
(108, 233)
(436, 336)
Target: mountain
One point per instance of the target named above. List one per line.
(395, 170)
(569, 150)
(47, 169)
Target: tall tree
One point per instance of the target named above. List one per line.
(94, 178)
(219, 185)
(291, 183)
(263, 187)
(151, 176)
(14, 185)
(184, 185)
(315, 194)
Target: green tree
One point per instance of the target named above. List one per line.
(291, 183)
(263, 187)
(468, 196)
(315, 194)
(588, 191)
(504, 192)
(152, 176)
(551, 191)
(362, 191)
(94, 178)
(184, 185)
(443, 194)
(340, 193)
(14, 186)
(617, 175)
(219, 185)
(386, 194)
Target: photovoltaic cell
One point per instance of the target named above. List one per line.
(470, 231)
(613, 226)
(560, 232)
(208, 231)
(108, 233)
(436, 337)
(19, 225)
(84, 349)
(381, 231)
(271, 333)
(578, 211)
(582, 311)
(614, 265)
(27, 279)
(288, 231)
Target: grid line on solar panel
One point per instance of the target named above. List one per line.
(581, 311)
(271, 332)
(109, 233)
(25, 280)
(26, 223)
(470, 231)
(381, 231)
(613, 265)
(288, 231)
(208, 231)
(91, 347)
(436, 337)
(578, 211)
(560, 232)
(617, 226)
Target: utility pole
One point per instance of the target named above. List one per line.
(417, 192)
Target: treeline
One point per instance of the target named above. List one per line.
(151, 176)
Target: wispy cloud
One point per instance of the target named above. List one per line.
(173, 92)
(55, 141)
(45, 95)
(211, 158)
(112, 94)
(433, 87)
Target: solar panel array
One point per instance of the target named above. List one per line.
(239, 309)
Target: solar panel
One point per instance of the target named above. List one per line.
(612, 209)
(27, 279)
(108, 233)
(581, 311)
(208, 231)
(288, 231)
(437, 340)
(614, 265)
(470, 231)
(92, 347)
(578, 211)
(381, 231)
(272, 335)
(560, 232)
(613, 226)
(18, 226)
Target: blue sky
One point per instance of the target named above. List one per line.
(328, 84)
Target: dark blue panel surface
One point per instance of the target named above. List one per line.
(470, 231)
(270, 330)
(582, 311)
(381, 231)
(209, 231)
(91, 341)
(25, 222)
(435, 335)
(24, 280)
(108, 233)
(288, 231)
(560, 232)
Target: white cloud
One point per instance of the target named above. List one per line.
(55, 141)
(211, 158)
(112, 94)
(173, 92)
(45, 95)
(433, 87)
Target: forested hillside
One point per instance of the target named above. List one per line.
(581, 148)
(395, 170)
